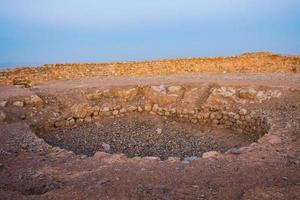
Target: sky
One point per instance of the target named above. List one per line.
(34, 32)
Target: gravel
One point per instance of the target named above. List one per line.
(134, 136)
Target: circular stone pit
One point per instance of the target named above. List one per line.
(143, 135)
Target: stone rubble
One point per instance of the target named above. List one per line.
(184, 106)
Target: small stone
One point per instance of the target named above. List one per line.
(132, 108)
(148, 107)
(94, 96)
(59, 124)
(234, 151)
(210, 154)
(140, 109)
(248, 118)
(99, 155)
(173, 89)
(100, 183)
(194, 121)
(158, 130)
(151, 158)
(219, 116)
(105, 109)
(247, 93)
(106, 146)
(274, 139)
(81, 110)
(243, 111)
(23, 116)
(285, 178)
(173, 159)
(123, 110)
(34, 100)
(155, 108)
(72, 122)
(2, 116)
(191, 158)
(115, 112)
(3, 103)
(19, 104)
(159, 89)
(237, 116)
(173, 110)
(215, 121)
(88, 119)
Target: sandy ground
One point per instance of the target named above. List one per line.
(32, 169)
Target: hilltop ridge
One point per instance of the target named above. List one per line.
(255, 62)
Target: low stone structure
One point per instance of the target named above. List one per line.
(218, 106)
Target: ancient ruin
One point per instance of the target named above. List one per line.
(199, 128)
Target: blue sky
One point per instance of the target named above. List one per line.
(60, 31)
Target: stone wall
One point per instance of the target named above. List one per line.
(255, 62)
(202, 105)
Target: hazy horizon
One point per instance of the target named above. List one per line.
(70, 31)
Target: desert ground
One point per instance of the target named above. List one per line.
(198, 128)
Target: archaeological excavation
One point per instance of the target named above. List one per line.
(143, 131)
